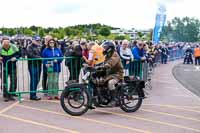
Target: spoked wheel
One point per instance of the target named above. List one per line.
(75, 100)
(130, 99)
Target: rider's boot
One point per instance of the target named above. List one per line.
(93, 104)
(114, 99)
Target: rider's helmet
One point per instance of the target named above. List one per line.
(109, 49)
(188, 46)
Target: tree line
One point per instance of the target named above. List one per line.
(89, 31)
(182, 30)
(178, 29)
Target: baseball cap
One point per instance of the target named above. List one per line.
(36, 38)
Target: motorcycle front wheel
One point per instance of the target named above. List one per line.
(75, 100)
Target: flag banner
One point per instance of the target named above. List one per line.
(159, 24)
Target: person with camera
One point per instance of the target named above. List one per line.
(53, 67)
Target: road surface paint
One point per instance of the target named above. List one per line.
(173, 106)
(8, 108)
(152, 121)
(38, 123)
(131, 117)
(86, 119)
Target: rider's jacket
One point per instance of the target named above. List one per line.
(189, 51)
(114, 67)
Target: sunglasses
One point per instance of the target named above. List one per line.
(52, 42)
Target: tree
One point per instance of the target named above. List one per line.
(34, 28)
(120, 37)
(41, 32)
(185, 30)
(12, 32)
(166, 34)
(140, 34)
(104, 31)
(28, 32)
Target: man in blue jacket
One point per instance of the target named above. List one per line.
(138, 52)
(139, 55)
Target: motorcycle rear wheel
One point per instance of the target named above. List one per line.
(127, 96)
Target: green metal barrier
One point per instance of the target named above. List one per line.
(70, 69)
(136, 69)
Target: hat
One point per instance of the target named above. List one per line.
(36, 38)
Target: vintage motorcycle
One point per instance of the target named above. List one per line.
(188, 58)
(77, 98)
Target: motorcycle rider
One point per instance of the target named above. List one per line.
(188, 55)
(114, 69)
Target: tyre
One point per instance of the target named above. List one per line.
(75, 100)
(130, 99)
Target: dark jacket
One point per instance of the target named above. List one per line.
(73, 52)
(34, 51)
(78, 51)
(63, 46)
(53, 53)
(164, 51)
(189, 50)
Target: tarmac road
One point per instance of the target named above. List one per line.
(170, 108)
(188, 76)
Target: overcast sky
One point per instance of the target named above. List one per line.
(139, 14)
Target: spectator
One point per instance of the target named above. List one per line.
(197, 55)
(157, 54)
(164, 54)
(117, 45)
(73, 63)
(34, 66)
(62, 46)
(138, 52)
(133, 44)
(53, 68)
(127, 56)
(85, 52)
(152, 53)
(181, 51)
(44, 76)
(8, 54)
(96, 56)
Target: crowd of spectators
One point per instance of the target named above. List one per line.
(77, 51)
